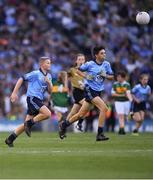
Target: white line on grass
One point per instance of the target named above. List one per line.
(51, 151)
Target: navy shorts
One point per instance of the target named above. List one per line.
(34, 104)
(139, 106)
(78, 95)
(91, 94)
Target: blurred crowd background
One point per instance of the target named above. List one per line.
(61, 29)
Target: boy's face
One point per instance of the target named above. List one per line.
(144, 80)
(46, 65)
(101, 55)
(120, 78)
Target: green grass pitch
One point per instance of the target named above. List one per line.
(78, 156)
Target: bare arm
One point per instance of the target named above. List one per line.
(65, 80)
(14, 95)
(109, 77)
(81, 73)
(118, 95)
(127, 94)
(135, 99)
(84, 75)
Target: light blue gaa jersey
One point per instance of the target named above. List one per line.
(92, 68)
(36, 83)
(141, 92)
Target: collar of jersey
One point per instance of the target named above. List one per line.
(123, 82)
(42, 72)
(143, 86)
(98, 63)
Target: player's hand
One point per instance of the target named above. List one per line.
(81, 84)
(89, 77)
(64, 73)
(103, 74)
(14, 97)
(47, 80)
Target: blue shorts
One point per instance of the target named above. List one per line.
(90, 93)
(34, 104)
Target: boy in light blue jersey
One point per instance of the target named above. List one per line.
(37, 86)
(39, 82)
(96, 71)
(140, 93)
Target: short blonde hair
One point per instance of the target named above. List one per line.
(144, 75)
(44, 58)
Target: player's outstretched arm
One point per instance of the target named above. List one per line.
(110, 77)
(107, 76)
(65, 80)
(14, 95)
(135, 99)
(83, 74)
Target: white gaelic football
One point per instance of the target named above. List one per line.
(142, 18)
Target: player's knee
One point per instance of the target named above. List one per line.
(48, 114)
(81, 114)
(104, 109)
(139, 120)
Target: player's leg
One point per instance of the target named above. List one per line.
(74, 110)
(121, 124)
(59, 116)
(138, 121)
(82, 112)
(120, 110)
(78, 96)
(127, 110)
(100, 104)
(142, 114)
(19, 130)
(44, 113)
(76, 107)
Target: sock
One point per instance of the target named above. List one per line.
(31, 122)
(100, 130)
(12, 137)
(65, 124)
(80, 121)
